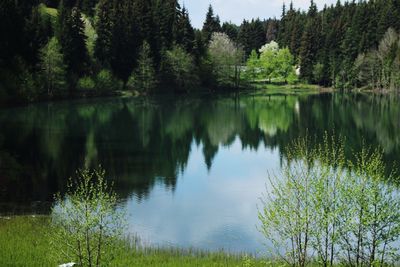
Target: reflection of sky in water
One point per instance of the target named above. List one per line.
(208, 210)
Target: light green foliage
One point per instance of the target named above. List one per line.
(370, 218)
(181, 69)
(318, 72)
(143, 77)
(268, 62)
(226, 58)
(86, 83)
(90, 33)
(252, 66)
(53, 68)
(380, 69)
(344, 211)
(105, 81)
(86, 223)
(276, 63)
(292, 78)
(284, 64)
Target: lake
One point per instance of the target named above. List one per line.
(189, 170)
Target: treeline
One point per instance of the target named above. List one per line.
(327, 43)
(94, 44)
(54, 48)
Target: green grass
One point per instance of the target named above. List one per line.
(288, 89)
(25, 241)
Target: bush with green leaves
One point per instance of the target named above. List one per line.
(180, 69)
(86, 222)
(53, 68)
(324, 208)
(86, 83)
(273, 63)
(105, 81)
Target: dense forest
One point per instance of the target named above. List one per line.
(54, 48)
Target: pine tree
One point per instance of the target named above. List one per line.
(104, 29)
(88, 7)
(282, 28)
(73, 41)
(310, 43)
(144, 19)
(144, 78)
(124, 48)
(251, 35)
(184, 32)
(231, 30)
(211, 25)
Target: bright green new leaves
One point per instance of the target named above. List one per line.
(179, 66)
(252, 66)
(326, 209)
(273, 64)
(86, 222)
(284, 62)
(53, 68)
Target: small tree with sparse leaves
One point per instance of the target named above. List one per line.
(86, 222)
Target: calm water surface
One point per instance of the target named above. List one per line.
(190, 171)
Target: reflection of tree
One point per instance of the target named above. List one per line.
(273, 115)
(144, 142)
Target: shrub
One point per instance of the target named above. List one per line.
(86, 83)
(340, 211)
(105, 81)
(86, 222)
(180, 68)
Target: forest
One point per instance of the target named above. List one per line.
(54, 49)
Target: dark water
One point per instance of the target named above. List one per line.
(189, 170)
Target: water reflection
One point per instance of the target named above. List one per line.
(193, 158)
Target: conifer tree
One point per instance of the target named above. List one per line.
(231, 30)
(282, 28)
(184, 32)
(143, 78)
(211, 25)
(104, 28)
(88, 7)
(70, 33)
(124, 48)
(310, 43)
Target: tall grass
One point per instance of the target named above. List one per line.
(24, 241)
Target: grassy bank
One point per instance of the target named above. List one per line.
(262, 88)
(24, 241)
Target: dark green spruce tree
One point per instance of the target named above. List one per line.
(310, 43)
(211, 25)
(124, 45)
(184, 32)
(231, 30)
(104, 29)
(71, 35)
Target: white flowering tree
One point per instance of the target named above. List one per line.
(226, 58)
